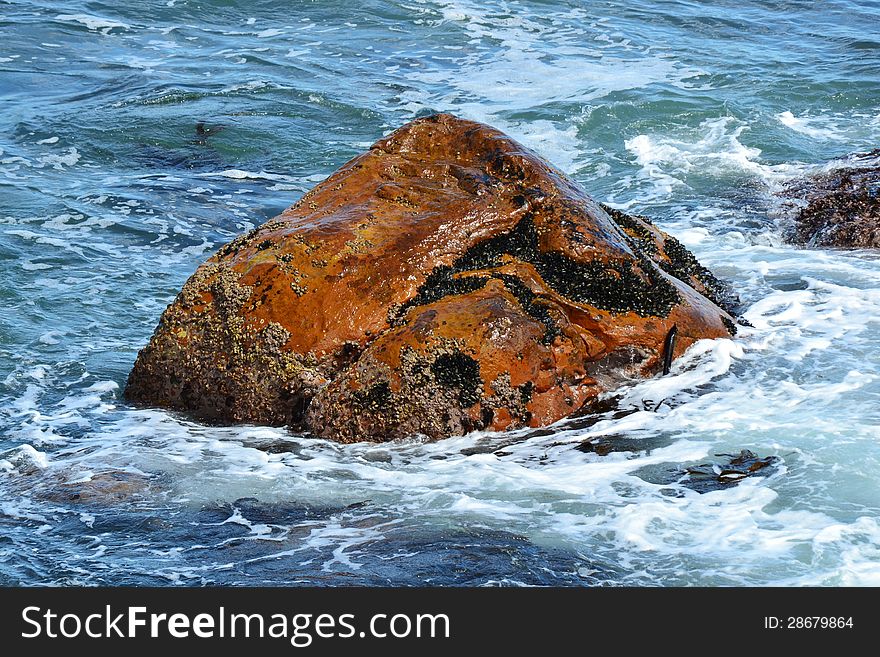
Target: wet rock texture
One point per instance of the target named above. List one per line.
(446, 280)
(841, 207)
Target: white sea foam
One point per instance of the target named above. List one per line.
(239, 174)
(23, 459)
(265, 34)
(816, 127)
(714, 148)
(97, 23)
(58, 162)
(51, 337)
(29, 265)
(258, 530)
(45, 239)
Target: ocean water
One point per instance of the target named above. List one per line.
(693, 113)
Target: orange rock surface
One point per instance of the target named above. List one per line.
(444, 281)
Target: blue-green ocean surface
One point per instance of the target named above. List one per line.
(693, 113)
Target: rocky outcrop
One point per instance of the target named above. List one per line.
(839, 207)
(444, 281)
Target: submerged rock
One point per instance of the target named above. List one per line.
(444, 281)
(707, 477)
(840, 207)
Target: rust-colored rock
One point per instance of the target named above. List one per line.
(446, 280)
(839, 208)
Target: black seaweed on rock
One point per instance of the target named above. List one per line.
(461, 372)
(633, 228)
(529, 301)
(440, 283)
(674, 258)
(615, 286)
(682, 264)
(375, 397)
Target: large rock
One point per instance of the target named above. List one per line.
(839, 207)
(444, 281)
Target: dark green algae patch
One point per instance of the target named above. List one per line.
(614, 285)
(676, 260)
(458, 371)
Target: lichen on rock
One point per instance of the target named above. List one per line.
(446, 280)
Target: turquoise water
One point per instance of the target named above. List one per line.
(692, 113)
